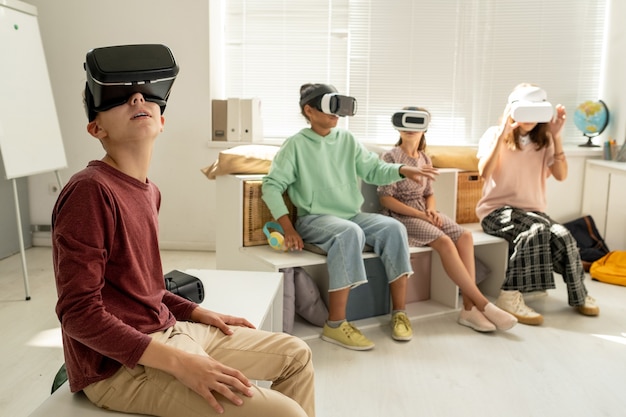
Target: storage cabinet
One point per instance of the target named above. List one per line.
(442, 297)
(604, 198)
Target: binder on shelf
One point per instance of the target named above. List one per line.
(218, 120)
(251, 123)
(237, 120)
(233, 120)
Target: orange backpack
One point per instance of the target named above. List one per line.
(611, 268)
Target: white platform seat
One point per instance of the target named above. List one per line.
(261, 304)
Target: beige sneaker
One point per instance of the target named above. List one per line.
(401, 327)
(347, 336)
(503, 320)
(589, 308)
(476, 320)
(513, 302)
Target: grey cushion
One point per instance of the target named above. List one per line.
(309, 303)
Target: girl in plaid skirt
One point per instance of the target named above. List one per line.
(515, 159)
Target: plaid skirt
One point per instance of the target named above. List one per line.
(538, 246)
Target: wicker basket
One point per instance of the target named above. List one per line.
(470, 188)
(256, 214)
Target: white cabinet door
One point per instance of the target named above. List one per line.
(615, 231)
(604, 198)
(595, 194)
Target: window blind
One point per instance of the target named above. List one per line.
(459, 59)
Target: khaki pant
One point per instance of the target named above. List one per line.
(277, 357)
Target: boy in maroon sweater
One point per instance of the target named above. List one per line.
(129, 344)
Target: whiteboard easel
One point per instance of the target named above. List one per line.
(19, 233)
(30, 136)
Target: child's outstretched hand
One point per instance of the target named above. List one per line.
(415, 173)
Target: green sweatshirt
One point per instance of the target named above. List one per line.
(322, 174)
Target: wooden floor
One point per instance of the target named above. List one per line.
(570, 366)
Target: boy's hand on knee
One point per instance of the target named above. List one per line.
(221, 321)
(206, 376)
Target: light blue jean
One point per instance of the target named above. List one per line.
(344, 241)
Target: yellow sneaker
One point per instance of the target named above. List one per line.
(347, 336)
(401, 327)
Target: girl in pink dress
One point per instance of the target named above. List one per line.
(413, 203)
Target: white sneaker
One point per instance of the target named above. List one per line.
(589, 308)
(513, 302)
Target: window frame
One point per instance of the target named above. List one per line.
(485, 99)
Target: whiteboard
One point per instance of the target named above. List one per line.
(30, 136)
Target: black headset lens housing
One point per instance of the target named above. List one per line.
(115, 73)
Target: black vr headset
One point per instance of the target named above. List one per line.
(115, 73)
(411, 120)
(329, 101)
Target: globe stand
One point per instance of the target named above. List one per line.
(589, 144)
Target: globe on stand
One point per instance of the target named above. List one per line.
(591, 118)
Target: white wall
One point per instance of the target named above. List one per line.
(613, 90)
(69, 29)
(565, 197)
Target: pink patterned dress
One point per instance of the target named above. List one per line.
(412, 193)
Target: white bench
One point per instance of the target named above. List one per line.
(261, 304)
(444, 295)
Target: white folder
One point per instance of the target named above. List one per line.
(233, 120)
(251, 125)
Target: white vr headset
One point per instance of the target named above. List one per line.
(411, 120)
(337, 104)
(530, 105)
(329, 101)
